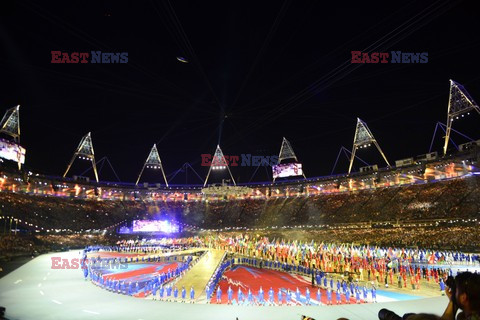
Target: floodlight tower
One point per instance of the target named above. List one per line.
(84, 151)
(364, 138)
(459, 103)
(153, 161)
(286, 153)
(10, 125)
(219, 163)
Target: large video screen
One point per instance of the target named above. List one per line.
(287, 170)
(154, 226)
(12, 151)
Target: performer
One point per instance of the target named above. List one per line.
(123, 289)
(219, 295)
(230, 295)
(297, 295)
(307, 296)
(261, 297)
(192, 294)
(279, 296)
(339, 297)
(161, 291)
(271, 296)
(329, 296)
(184, 294)
(442, 286)
(146, 288)
(154, 291)
(319, 296)
(240, 295)
(250, 297)
(85, 270)
(130, 288)
(289, 296)
(209, 292)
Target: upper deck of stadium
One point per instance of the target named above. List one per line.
(419, 170)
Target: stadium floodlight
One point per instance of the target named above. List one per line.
(459, 103)
(154, 162)
(10, 125)
(84, 151)
(363, 138)
(287, 153)
(219, 163)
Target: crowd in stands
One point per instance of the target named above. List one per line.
(50, 212)
(458, 198)
(18, 245)
(21, 244)
(401, 206)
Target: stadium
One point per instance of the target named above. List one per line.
(390, 234)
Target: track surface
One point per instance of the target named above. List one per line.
(35, 291)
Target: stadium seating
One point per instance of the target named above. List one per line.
(400, 215)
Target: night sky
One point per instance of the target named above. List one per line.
(257, 71)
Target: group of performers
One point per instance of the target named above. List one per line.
(367, 267)
(284, 296)
(345, 293)
(157, 283)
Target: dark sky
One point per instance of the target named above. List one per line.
(258, 71)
